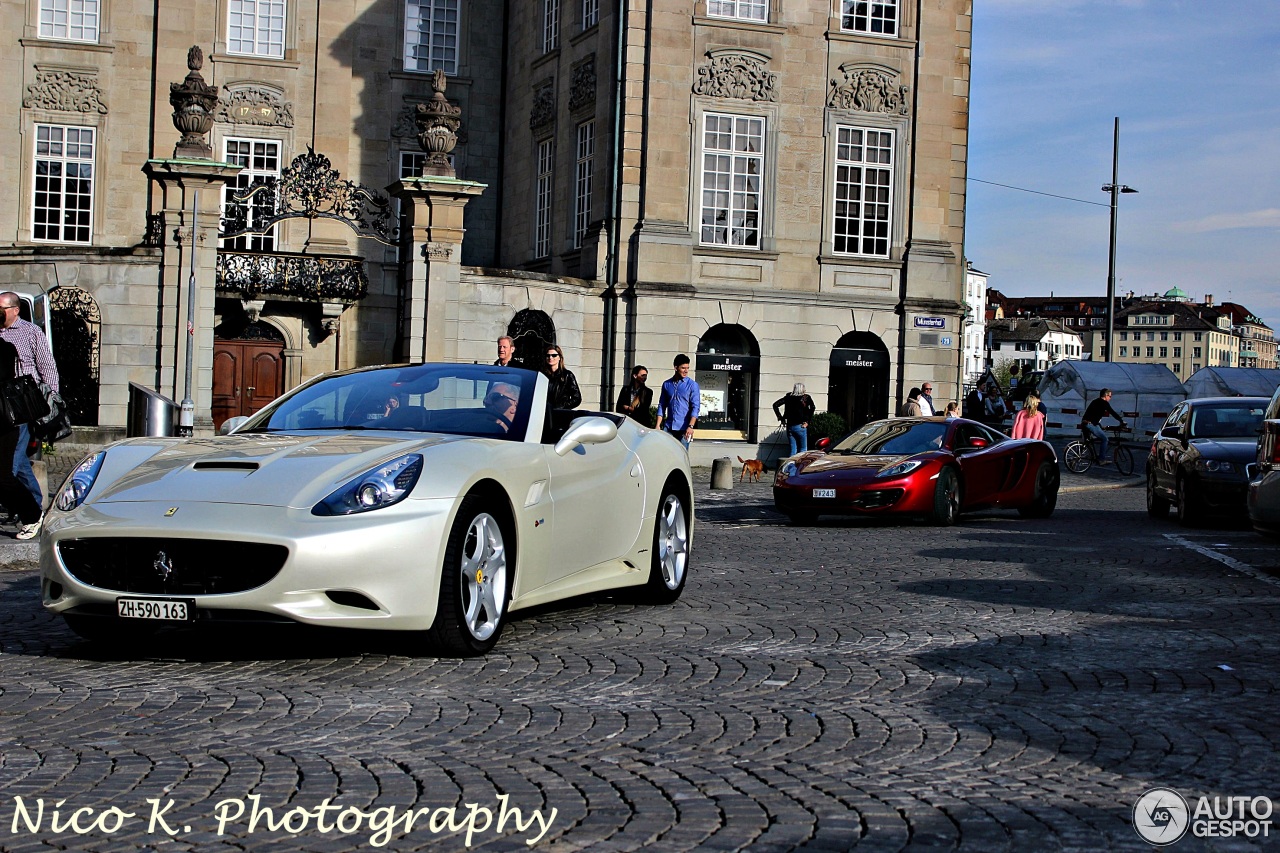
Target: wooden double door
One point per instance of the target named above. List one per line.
(246, 376)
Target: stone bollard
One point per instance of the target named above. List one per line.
(722, 473)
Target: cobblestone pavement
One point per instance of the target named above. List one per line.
(1003, 685)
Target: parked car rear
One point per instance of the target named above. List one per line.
(1264, 486)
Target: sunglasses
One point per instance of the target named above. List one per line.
(494, 398)
(552, 355)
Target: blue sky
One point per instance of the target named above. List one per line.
(1196, 86)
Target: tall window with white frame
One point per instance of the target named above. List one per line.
(256, 27)
(259, 158)
(431, 35)
(583, 168)
(590, 13)
(732, 180)
(62, 198)
(863, 191)
(879, 17)
(542, 199)
(550, 25)
(745, 10)
(73, 20)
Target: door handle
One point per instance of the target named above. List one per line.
(249, 390)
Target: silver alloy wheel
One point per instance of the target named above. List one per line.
(673, 542)
(484, 576)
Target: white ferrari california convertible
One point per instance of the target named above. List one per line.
(435, 498)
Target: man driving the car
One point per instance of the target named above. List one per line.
(501, 403)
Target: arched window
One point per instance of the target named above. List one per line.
(728, 368)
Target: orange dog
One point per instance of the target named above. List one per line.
(751, 467)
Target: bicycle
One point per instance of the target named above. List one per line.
(1081, 453)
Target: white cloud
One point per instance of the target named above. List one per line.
(1269, 218)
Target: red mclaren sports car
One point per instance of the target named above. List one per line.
(919, 466)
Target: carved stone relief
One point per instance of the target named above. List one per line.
(543, 111)
(437, 251)
(582, 85)
(66, 91)
(736, 75)
(869, 90)
(253, 105)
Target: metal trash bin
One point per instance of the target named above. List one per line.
(150, 413)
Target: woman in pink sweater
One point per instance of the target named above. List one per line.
(1029, 422)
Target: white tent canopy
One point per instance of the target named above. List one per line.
(1232, 382)
(1143, 393)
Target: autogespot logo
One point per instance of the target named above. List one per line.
(1161, 816)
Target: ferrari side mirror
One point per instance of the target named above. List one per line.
(230, 425)
(589, 430)
(823, 443)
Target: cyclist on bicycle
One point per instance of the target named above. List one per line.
(1093, 415)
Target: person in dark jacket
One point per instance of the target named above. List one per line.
(13, 494)
(564, 393)
(1098, 409)
(795, 410)
(507, 353)
(636, 398)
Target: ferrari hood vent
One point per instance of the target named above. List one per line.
(226, 465)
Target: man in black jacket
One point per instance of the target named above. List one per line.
(1093, 415)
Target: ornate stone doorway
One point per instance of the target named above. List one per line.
(77, 324)
(531, 330)
(248, 369)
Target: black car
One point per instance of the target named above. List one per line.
(1203, 456)
(1264, 488)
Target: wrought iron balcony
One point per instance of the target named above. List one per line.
(315, 278)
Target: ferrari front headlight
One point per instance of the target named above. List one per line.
(383, 486)
(77, 485)
(788, 469)
(901, 468)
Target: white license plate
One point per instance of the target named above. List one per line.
(824, 493)
(164, 609)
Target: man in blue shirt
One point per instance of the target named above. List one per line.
(680, 402)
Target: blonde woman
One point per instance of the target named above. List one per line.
(1029, 422)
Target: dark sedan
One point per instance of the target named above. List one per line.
(1264, 488)
(932, 467)
(1201, 459)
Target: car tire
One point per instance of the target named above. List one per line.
(1157, 505)
(475, 581)
(669, 563)
(1046, 492)
(946, 498)
(108, 630)
(1188, 511)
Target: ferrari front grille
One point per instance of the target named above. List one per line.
(157, 566)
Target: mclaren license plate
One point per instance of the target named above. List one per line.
(824, 493)
(162, 609)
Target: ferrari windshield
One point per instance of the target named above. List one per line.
(894, 438)
(464, 399)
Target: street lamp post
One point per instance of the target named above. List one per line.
(1115, 188)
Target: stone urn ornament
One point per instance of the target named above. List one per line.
(194, 102)
(438, 125)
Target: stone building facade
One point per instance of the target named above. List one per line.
(774, 187)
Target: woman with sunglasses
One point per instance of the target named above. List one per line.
(564, 393)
